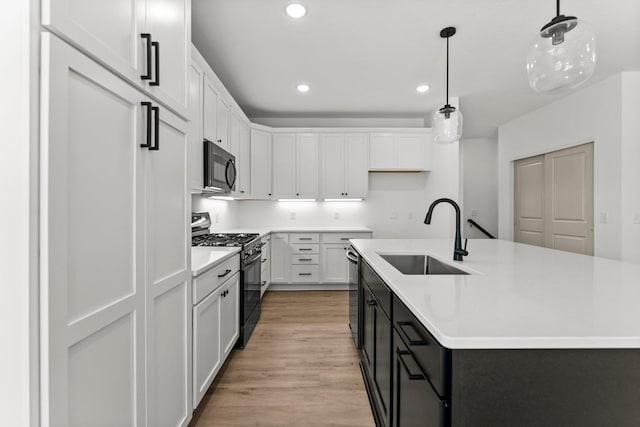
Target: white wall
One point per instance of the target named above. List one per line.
(593, 114)
(18, 214)
(222, 212)
(395, 207)
(479, 166)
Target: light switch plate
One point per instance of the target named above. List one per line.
(474, 212)
(636, 218)
(604, 217)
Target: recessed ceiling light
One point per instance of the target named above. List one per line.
(296, 10)
(422, 88)
(303, 88)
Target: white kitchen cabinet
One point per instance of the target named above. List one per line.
(111, 33)
(284, 166)
(400, 152)
(115, 315)
(234, 135)
(222, 124)
(334, 263)
(295, 166)
(243, 163)
(168, 290)
(280, 258)
(261, 165)
(196, 149)
(207, 357)
(230, 315)
(344, 166)
(210, 110)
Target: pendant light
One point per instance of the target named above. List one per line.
(447, 121)
(563, 54)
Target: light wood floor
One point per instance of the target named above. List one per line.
(300, 368)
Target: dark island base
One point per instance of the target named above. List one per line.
(536, 388)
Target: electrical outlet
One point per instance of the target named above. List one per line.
(292, 215)
(394, 215)
(410, 216)
(336, 215)
(636, 218)
(474, 213)
(604, 217)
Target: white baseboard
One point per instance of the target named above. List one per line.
(309, 287)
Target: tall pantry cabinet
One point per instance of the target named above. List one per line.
(115, 290)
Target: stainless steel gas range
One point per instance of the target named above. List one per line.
(250, 267)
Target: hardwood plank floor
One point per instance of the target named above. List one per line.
(300, 368)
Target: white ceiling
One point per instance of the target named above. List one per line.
(364, 58)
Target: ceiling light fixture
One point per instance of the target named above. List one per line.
(303, 88)
(563, 54)
(447, 121)
(296, 10)
(422, 88)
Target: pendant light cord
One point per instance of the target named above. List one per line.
(447, 103)
(557, 7)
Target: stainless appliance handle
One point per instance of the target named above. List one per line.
(226, 174)
(352, 257)
(253, 260)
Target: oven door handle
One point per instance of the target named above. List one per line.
(253, 260)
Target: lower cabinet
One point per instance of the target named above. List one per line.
(215, 330)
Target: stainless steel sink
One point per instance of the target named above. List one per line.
(420, 264)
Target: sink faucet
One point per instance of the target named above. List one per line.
(458, 251)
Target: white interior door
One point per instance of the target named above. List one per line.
(553, 200)
(92, 243)
(529, 201)
(168, 293)
(569, 199)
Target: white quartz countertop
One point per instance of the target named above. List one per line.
(293, 229)
(516, 296)
(204, 258)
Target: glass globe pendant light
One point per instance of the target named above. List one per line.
(563, 54)
(447, 121)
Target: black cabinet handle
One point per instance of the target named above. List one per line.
(220, 141)
(305, 238)
(412, 337)
(147, 38)
(225, 273)
(264, 260)
(305, 249)
(156, 136)
(297, 194)
(345, 238)
(304, 274)
(305, 259)
(269, 194)
(147, 105)
(414, 371)
(371, 302)
(156, 81)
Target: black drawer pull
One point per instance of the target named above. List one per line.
(305, 259)
(304, 274)
(156, 81)
(225, 273)
(345, 238)
(414, 372)
(147, 105)
(147, 38)
(305, 238)
(306, 249)
(412, 338)
(371, 302)
(156, 129)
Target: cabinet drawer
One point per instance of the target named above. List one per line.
(305, 259)
(207, 282)
(298, 249)
(427, 352)
(379, 290)
(304, 238)
(305, 273)
(343, 237)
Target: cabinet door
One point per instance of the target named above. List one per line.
(106, 30)
(284, 165)
(307, 166)
(333, 166)
(234, 135)
(260, 165)
(168, 22)
(280, 259)
(92, 299)
(334, 263)
(230, 315)
(382, 364)
(196, 150)
(410, 151)
(355, 165)
(382, 152)
(243, 162)
(207, 354)
(210, 107)
(222, 124)
(368, 328)
(168, 290)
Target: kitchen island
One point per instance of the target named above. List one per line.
(528, 337)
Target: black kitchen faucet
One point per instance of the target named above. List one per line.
(458, 251)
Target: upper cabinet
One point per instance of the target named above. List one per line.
(196, 151)
(260, 164)
(295, 166)
(400, 152)
(145, 41)
(344, 160)
(243, 163)
(216, 115)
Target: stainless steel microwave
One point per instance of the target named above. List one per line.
(220, 171)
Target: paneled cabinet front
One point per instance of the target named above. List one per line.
(261, 184)
(344, 161)
(400, 152)
(295, 166)
(145, 41)
(116, 315)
